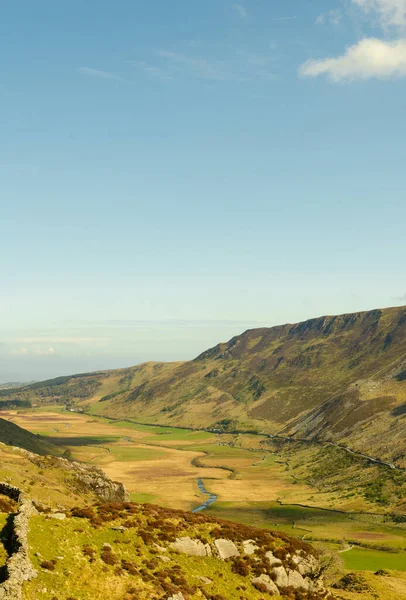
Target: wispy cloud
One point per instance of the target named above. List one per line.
(99, 74)
(332, 17)
(369, 58)
(242, 67)
(206, 69)
(240, 10)
(388, 13)
(153, 71)
(283, 18)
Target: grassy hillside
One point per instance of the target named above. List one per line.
(13, 435)
(339, 378)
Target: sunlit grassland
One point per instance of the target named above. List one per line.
(4, 520)
(78, 577)
(362, 559)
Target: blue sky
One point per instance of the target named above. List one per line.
(172, 173)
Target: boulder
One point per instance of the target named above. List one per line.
(296, 580)
(305, 564)
(58, 515)
(281, 577)
(164, 558)
(267, 582)
(226, 548)
(249, 547)
(187, 545)
(273, 561)
(204, 580)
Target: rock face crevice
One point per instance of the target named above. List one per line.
(18, 567)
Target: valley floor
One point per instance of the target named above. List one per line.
(255, 482)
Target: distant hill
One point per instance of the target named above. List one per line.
(14, 384)
(339, 378)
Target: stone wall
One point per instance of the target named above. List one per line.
(18, 566)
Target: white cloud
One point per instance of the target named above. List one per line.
(99, 74)
(332, 17)
(388, 12)
(367, 59)
(241, 10)
(38, 352)
(49, 352)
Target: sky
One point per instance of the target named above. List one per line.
(173, 173)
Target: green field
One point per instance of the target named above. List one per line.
(361, 559)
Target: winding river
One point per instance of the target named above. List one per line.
(212, 497)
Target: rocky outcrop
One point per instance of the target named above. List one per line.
(96, 479)
(191, 547)
(299, 570)
(18, 567)
(226, 549)
(86, 477)
(249, 547)
(265, 581)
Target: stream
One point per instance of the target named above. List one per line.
(209, 501)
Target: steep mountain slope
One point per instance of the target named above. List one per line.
(13, 435)
(339, 378)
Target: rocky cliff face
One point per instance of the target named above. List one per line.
(95, 479)
(85, 477)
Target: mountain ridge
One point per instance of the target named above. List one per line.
(339, 378)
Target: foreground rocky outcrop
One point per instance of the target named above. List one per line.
(85, 477)
(294, 570)
(96, 480)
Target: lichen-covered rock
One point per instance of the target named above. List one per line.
(204, 580)
(249, 547)
(164, 558)
(281, 577)
(178, 596)
(59, 516)
(266, 581)
(273, 561)
(187, 545)
(96, 479)
(226, 548)
(306, 564)
(296, 580)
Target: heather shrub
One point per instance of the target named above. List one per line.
(83, 513)
(49, 565)
(109, 557)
